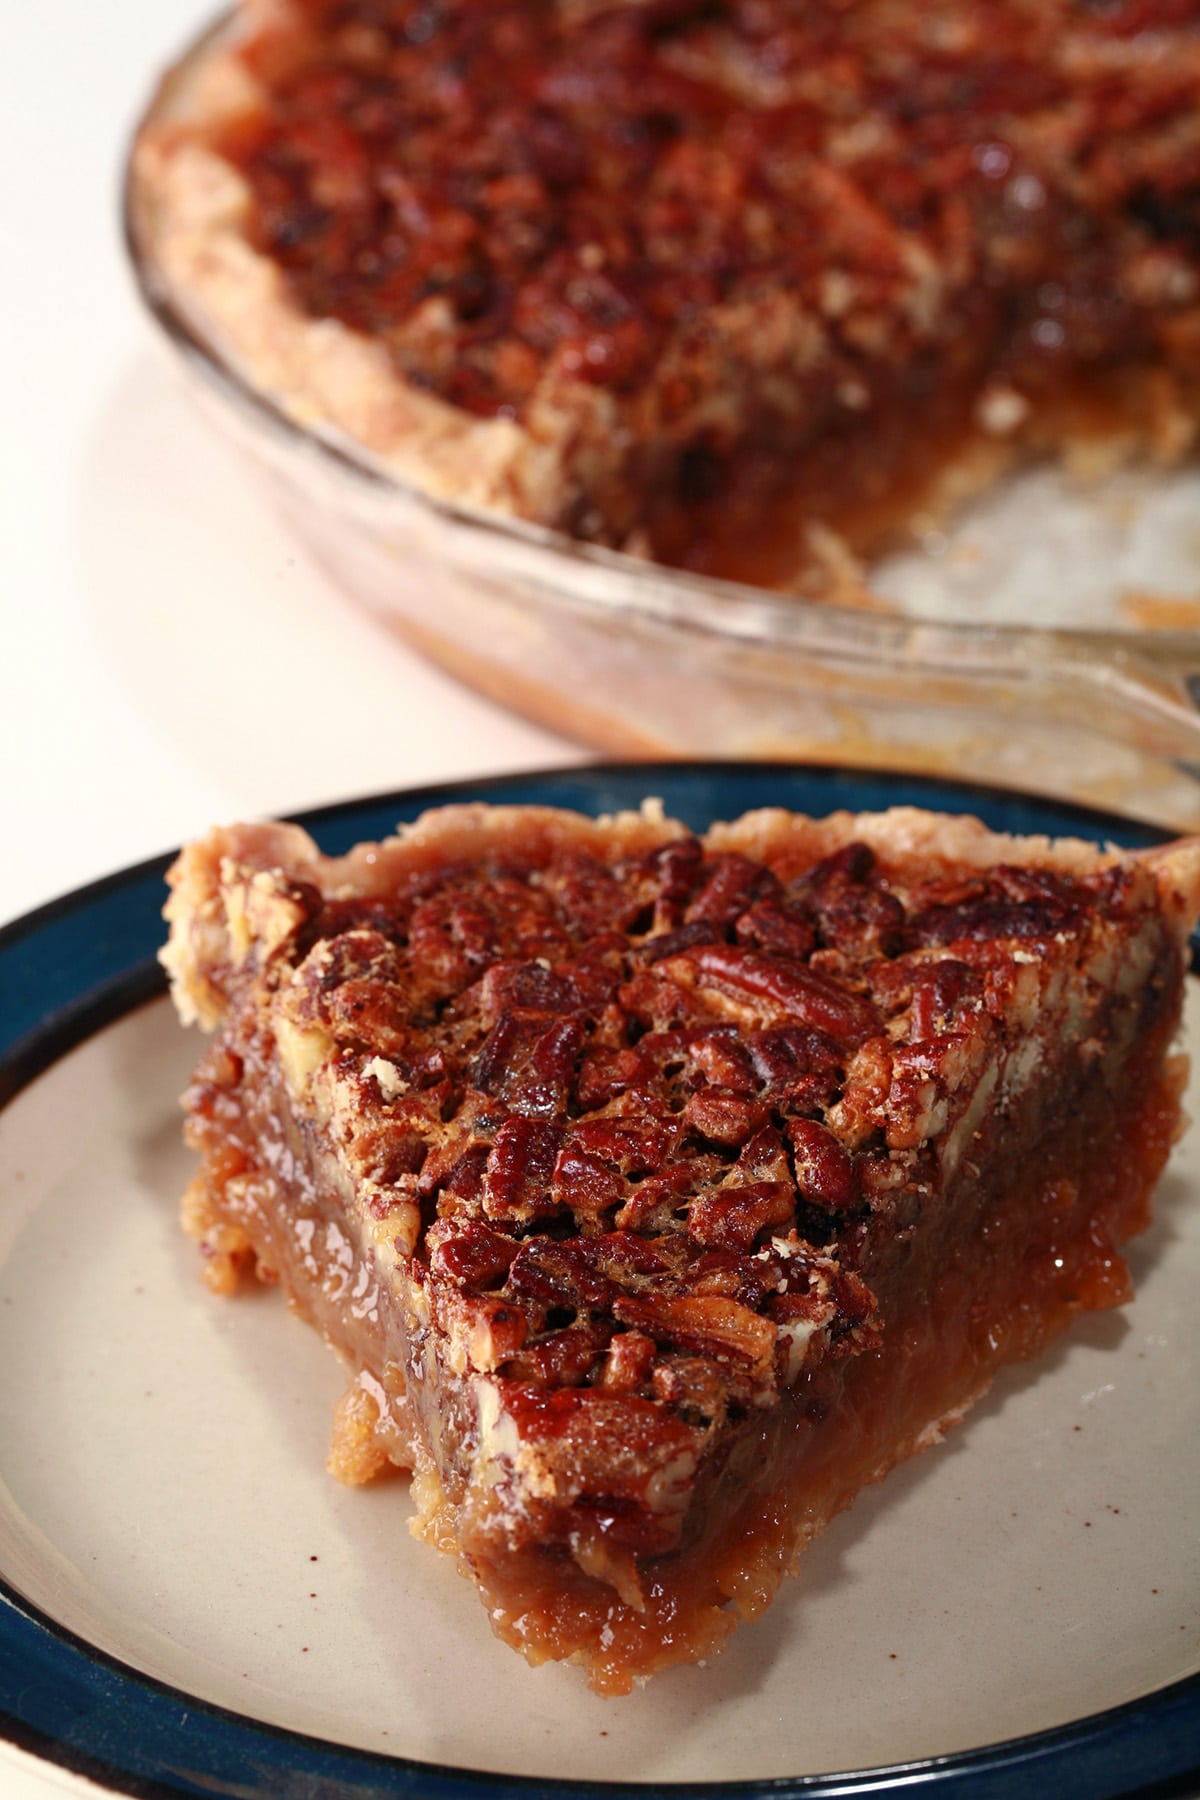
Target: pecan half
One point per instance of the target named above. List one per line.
(786, 990)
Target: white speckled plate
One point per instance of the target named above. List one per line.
(194, 1606)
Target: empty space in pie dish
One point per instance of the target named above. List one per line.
(916, 662)
(163, 1497)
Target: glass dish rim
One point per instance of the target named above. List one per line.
(735, 612)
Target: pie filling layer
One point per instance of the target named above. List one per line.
(662, 1193)
(685, 277)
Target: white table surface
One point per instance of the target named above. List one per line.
(171, 659)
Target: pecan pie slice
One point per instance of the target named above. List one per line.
(683, 275)
(662, 1191)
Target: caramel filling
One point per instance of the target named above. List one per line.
(1025, 1236)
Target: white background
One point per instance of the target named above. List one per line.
(169, 658)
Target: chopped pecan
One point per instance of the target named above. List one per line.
(584, 1183)
(785, 990)
(735, 1274)
(938, 988)
(825, 1172)
(1007, 909)
(957, 889)
(458, 930)
(657, 1000)
(530, 987)
(1113, 889)
(821, 1298)
(462, 1186)
(696, 1388)
(853, 863)
(583, 1443)
(1046, 885)
(595, 975)
(890, 984)
(862, 1109)
(476, 1123)
(724, 1118)
(849, 910)
(530, 1062)
(451, 939)
(588, 896)
(356, 987)
(650, 1073)
(800, 1069)
(567, 1274)
(633, 1139)
(517, 1176)
(673, 943)
(704, 1324)
(857, 1325)
(633, 1261)
(524, 922)
(923, 1075)
(778, 928)
(470, 1253)
(390, 1149)
(881, 1179)
(735, 1216)
(762, 1158)
(718, 1054)
(493, 1332)
(668, 877)
(629, 1361)
(731, 885)
(562, 1358)
(605, 1072)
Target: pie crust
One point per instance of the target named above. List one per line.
(661, 1192)
(704, 281)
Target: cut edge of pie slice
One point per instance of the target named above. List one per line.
(661, 1192)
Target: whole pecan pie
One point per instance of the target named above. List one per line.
(660, 1191)
(691, 276)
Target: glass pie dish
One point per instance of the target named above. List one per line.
(1021, 646)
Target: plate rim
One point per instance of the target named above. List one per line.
(1154, 1738)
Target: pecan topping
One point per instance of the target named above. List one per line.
(454, 181)
(782, 929)
(937, 991)
(648, 1111)
(789, 989)
(825, 1171)
(470, 1254)
(530, 1063)
(516, 1178)
(661, 1161)
(707, 1323)
(738, 1215)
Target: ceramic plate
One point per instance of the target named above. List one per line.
(191, 1606)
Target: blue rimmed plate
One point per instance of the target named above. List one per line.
(192, 1607)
